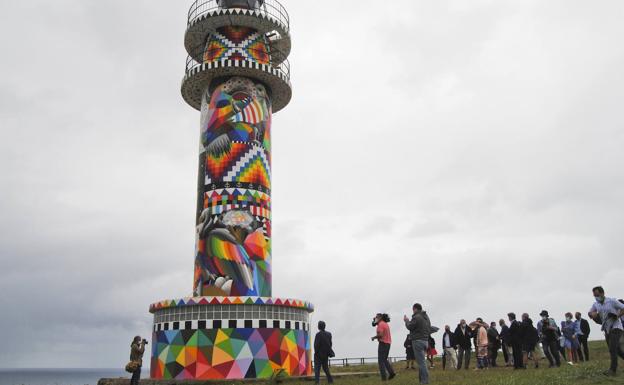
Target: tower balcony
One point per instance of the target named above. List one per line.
(267, 16)
(271, 68)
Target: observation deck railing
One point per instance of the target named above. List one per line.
(274, 59)
(271, 8)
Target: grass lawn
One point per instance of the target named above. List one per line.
(582, 374)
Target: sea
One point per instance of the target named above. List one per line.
(61, 376)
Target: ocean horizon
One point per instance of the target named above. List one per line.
(61, 376)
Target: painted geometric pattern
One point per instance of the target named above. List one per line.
(222, 200)
(237, 43)
(229, 353)
(218, 165)
(190, 301)
(252, 167)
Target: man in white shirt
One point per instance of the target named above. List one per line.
(448, 348)
(609, 312)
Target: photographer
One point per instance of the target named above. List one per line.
(382, 335)
(609, 312)
(547, 331)
(137, 348)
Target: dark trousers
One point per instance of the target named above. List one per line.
(463, 355)
(136, 376)
(506, 357)
(493, 356)
(551, 351)
(322, 363)
(382, 357)
(517, 356)
(583, 350)
(615, 350)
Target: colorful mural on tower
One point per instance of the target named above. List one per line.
(237, 43)
(232, 327)
(229, 353)
(233, 244)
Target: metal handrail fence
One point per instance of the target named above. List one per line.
(271, 8)
(360, 361)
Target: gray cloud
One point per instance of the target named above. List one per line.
(479, 142)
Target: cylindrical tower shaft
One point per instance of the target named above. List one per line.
(233, 253)
(237, 75)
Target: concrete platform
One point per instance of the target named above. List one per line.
(147, 381)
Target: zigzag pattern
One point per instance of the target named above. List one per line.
(253, 167)
(236, 12)
(222, 200)
(217, 166)
(245, 300)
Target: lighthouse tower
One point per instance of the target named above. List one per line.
(237, 75)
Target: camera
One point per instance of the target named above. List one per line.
(145, 341)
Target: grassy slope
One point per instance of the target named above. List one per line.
(583, 374)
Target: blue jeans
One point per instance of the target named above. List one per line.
(420, 347)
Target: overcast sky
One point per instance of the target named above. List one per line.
(463, 154)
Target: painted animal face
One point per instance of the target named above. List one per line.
(238, 110)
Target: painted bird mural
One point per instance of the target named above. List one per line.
(231, 250)
(239, 110)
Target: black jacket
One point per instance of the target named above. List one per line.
(504, 334)
(528, 333)
(493, 338)
(463, 340)
(452, 340)
(323, 345)
(585, 329)
(515, 333)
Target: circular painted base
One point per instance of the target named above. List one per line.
(230, 338)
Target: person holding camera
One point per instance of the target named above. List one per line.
(420, 330)
(609, 313)
(382, 335)
(547, 331)
(137, 348)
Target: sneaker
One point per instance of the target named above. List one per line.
(609, 373)
(570, 363)
(391, 376)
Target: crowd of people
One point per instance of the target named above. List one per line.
(521, 342)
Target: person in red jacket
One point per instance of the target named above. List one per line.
(385, 341)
